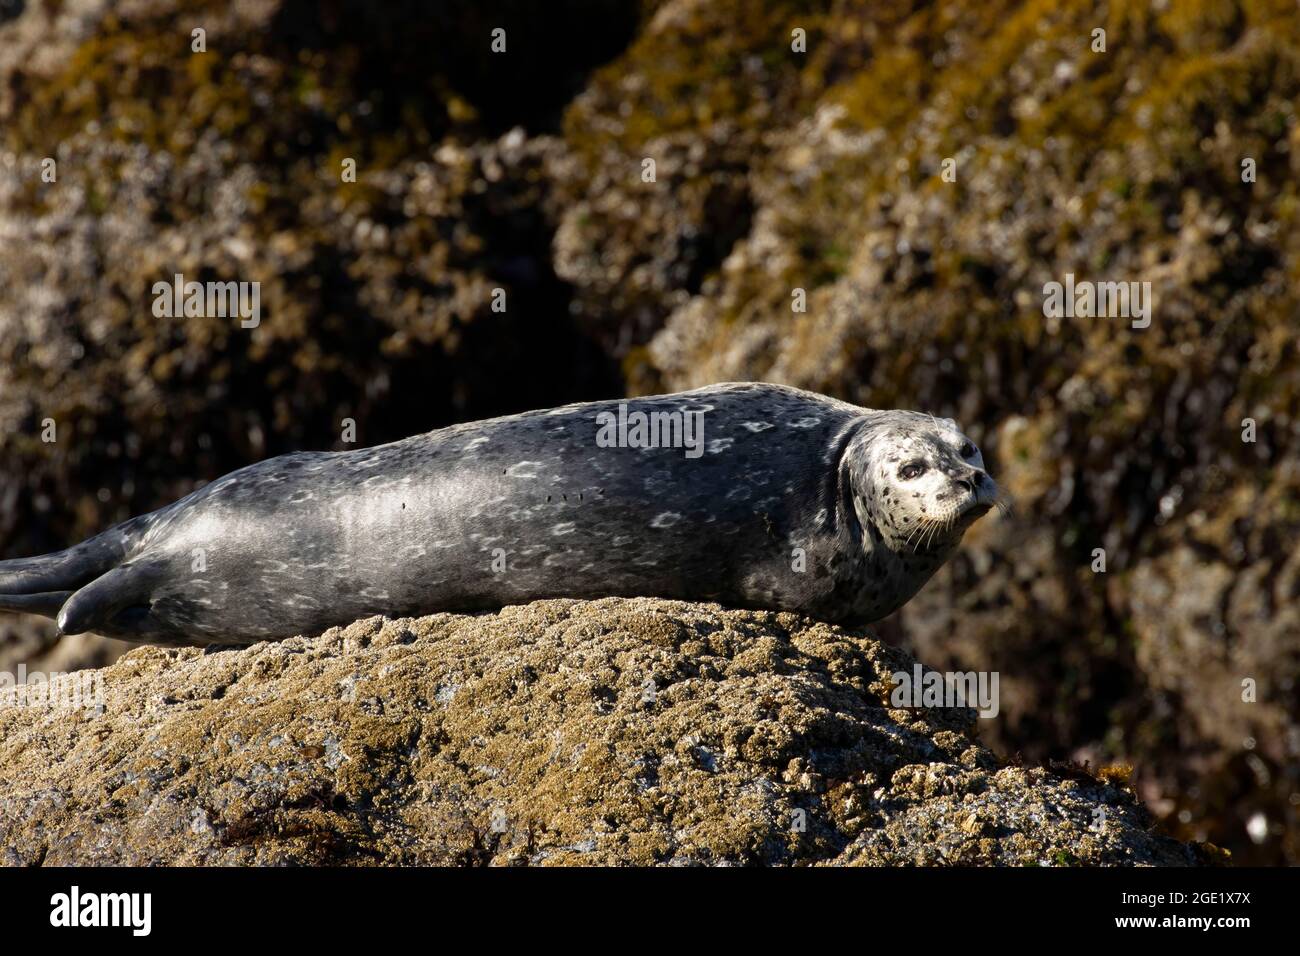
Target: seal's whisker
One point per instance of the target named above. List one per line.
(907, 543)
(917, 533)
(1005, 504)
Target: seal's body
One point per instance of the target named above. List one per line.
(771, 498)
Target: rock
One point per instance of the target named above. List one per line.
(928, 293)
(776, 170)
(611, 732)
(376, 295)
(34, 644)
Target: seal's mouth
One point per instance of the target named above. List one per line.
(975, 508)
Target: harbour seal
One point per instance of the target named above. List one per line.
(751, 495)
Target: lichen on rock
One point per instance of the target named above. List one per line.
(620, 731)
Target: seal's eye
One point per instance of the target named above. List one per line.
(913, 469)
(967, 449)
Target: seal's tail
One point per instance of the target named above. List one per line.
(43, 584)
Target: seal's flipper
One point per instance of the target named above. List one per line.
(63, 570)
(46, 603)
(40, 585)
(111, 604)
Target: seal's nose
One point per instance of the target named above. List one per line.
(971, 480)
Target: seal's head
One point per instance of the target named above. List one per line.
(918, 481)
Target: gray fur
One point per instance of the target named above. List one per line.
(305, 541)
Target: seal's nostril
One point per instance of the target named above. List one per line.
(972, 480)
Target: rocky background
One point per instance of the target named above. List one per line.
(775, 170)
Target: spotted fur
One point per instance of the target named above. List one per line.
(796, 502)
